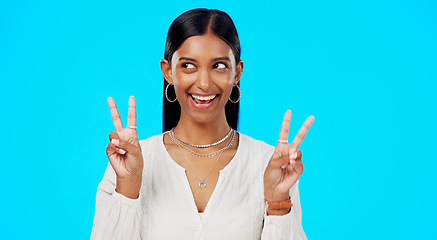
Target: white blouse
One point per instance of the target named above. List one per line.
(166, 209)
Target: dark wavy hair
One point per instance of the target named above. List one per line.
(193, 23)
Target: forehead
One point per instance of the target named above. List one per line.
(204, 47)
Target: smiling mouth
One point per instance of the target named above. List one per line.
(203, 99)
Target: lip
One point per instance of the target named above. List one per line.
(203, 105)
(203, 94)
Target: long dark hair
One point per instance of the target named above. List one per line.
(193, 23)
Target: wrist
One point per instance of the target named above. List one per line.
(129, 187)
(272, 196)
(278, 212)
(278, 207)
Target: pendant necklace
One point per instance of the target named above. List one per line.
(202, 183)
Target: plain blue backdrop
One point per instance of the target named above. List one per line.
(365, 69)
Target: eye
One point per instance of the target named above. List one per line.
(220, 65)
(188, 65)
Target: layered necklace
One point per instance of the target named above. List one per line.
(180, 143)
(204, 145)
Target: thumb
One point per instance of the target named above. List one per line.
(279, 160)
(113, 135)
(113, 145)
(125, 145)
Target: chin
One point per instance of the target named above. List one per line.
(204, 118)
(204, 113)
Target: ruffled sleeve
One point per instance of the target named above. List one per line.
(286, 227)
(116, 216)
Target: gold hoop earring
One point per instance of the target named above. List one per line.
(166, 94)
(239, 95)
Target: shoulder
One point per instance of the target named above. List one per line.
(256, 149)
(151, 139)
(255, 145)
(150, 143)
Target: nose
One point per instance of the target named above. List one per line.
(204, 80)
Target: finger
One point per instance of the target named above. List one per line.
(129, 147)
(292, 176)
(112, 147)
(302, 132)
(110, 151)
(295, 156)
(294, 172)
(119, 143)
(114, 143)
(283, 134)
(296, 167)
(113, 135)
(279, 162)
(295, 163)
(132, 113)
(115, 115)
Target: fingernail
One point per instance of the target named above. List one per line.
(121, 151)
(293, 155)
(115, 141)
(284, 165)
(292, 161)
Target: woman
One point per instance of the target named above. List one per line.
(200, 179)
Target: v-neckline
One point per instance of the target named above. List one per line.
(187, 187)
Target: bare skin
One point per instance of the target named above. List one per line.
(124, 152)
(205, 66)
(202, 166)
(285, 167)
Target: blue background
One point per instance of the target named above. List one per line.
(365, 69)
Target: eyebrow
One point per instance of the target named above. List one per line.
(215, 59)
(222, 58)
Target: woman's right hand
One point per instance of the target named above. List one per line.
(124, 151)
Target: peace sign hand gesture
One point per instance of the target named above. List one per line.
(285, 166)
(124, 151)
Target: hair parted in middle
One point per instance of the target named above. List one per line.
(197, 22)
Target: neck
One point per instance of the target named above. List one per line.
(202, 133)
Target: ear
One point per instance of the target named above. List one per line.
(238, 72)
(166, 71)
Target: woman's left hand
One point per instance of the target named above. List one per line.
(285, 166)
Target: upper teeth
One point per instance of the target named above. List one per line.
(203, 98)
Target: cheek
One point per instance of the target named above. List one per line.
(227, 88)
(227, 83)
(224, 77)
(183, 80)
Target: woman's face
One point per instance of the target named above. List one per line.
(203, 71)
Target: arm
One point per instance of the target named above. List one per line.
(118, 203)
(281, 183)
(116, 216)
(288, 226)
